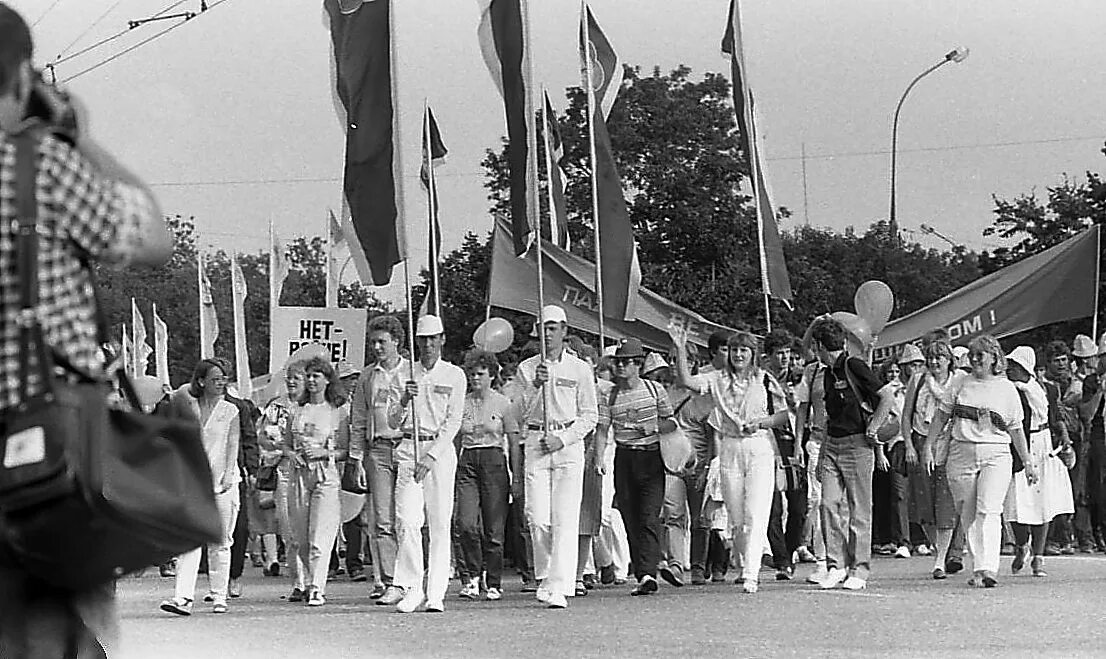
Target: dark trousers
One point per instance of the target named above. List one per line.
(718, 555)
(481, 513)
(1090, 499)
(785, 541)
(40, 620)
(241, 535)
(639, 492)
(900, 497)
(354, 530)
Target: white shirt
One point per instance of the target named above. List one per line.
(438, 406)
(371, 403)
(738, 401)
(572, 398)
(996, 394)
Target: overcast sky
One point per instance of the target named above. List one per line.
(231, 116)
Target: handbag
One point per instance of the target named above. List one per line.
(354, 479)
(266, 478)
(89, 492)
(790, 474)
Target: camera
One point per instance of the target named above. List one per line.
(52, 107)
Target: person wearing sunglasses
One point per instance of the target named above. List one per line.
(637, 412)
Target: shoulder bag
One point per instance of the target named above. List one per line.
(89, 492)
(890, 427)
(790, 473)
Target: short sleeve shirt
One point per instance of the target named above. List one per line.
(844, 415)
(996, 394)
(644, 405)
(486, 422)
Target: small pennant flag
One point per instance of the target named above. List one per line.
(142, 349)
(558, 215)
(161, 348)
(209, 320)
(239, 291)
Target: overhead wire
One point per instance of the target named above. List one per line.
(129, 49)
(61, 59)
(43, 15)
(88, 29)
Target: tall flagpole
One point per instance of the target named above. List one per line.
(200, 288)
(401, 225)
(431, 191)
(491, 271)
(594, 179)
(532, 157)
(1097, 279)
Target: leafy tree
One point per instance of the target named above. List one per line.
(1035, 224)
(173, 287)
(684, 177)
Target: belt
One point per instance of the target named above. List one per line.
(390, 440)
(422, 438)
(552, 426)
(656, 446)
(1034, 431)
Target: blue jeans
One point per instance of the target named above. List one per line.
(380, 469)
(482, 487)
(845, 470)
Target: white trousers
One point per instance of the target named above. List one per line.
(612, 547)
(979, 476)
(218, 554)
(554, 487)
(814, 500)
(748, 470)
(315, 513)
(429, 502)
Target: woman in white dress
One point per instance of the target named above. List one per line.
(316, 440)
(1030, 507)
(204, 401)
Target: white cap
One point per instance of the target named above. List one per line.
(1025, 357)
(959, 356)
(429, 326)
(1083, 346)
(911, 354)
(552, 313)
(653, 361)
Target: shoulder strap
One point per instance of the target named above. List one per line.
(30, 332)
(768, 395)
(865, 406)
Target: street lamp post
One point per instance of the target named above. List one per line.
(958, 55)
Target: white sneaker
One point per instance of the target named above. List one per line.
(833, 577)
(749, 587)
(902, 552)
(855, 583)
(556, 601)
(471, 590)
(544, 595)
(819, 573)
(435, 607)
(411, 601)
(495, 594)
(923, 550)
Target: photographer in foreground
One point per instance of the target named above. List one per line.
(90, 209)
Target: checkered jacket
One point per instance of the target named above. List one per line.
(81, 215)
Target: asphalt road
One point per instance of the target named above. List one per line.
(903, 613)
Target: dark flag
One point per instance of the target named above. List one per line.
(773, 268)
(558, 215)
(433, 154)
(361, 34)
(503, 40)
(620, 273)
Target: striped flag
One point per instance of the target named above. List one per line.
(606, 67)
(773, 268)
(620, 274)
(141, 347)
(161, 348)
(361, 34)
(433, 154)
(504, 40)
(554, 154)
(209, 320)
(239, 291)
